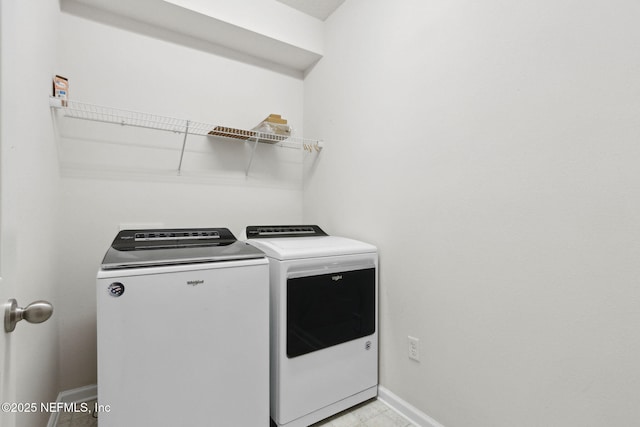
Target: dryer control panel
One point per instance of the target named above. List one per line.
(271, 231)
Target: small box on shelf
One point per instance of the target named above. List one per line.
(61, 89)
(273, 129)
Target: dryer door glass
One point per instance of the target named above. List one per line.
(329, 309)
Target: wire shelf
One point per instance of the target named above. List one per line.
(99, 113)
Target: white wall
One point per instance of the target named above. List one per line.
(30, 184)
(490, 150)
(114, 176)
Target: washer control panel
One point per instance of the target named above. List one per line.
(129, 240)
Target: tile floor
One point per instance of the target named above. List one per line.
(372, 413)
(78, 419)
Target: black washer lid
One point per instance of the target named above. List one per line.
(147, 248)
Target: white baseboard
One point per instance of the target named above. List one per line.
(405, 409)
(76, 395)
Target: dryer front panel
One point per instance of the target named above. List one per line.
(324, 337)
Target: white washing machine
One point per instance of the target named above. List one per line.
(324, 317)
(182, 318)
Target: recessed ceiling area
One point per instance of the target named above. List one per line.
(320, 9)
(296, 48)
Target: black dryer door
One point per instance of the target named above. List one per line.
(329, 309)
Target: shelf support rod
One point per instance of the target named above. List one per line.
(184, 143)
(253, 151)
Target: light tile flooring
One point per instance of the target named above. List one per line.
(372, 413)
(78, 419)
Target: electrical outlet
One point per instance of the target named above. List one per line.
(414, 348)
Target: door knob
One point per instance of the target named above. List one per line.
(36, 312)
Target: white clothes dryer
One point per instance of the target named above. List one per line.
(182, 319)
(324, 321)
